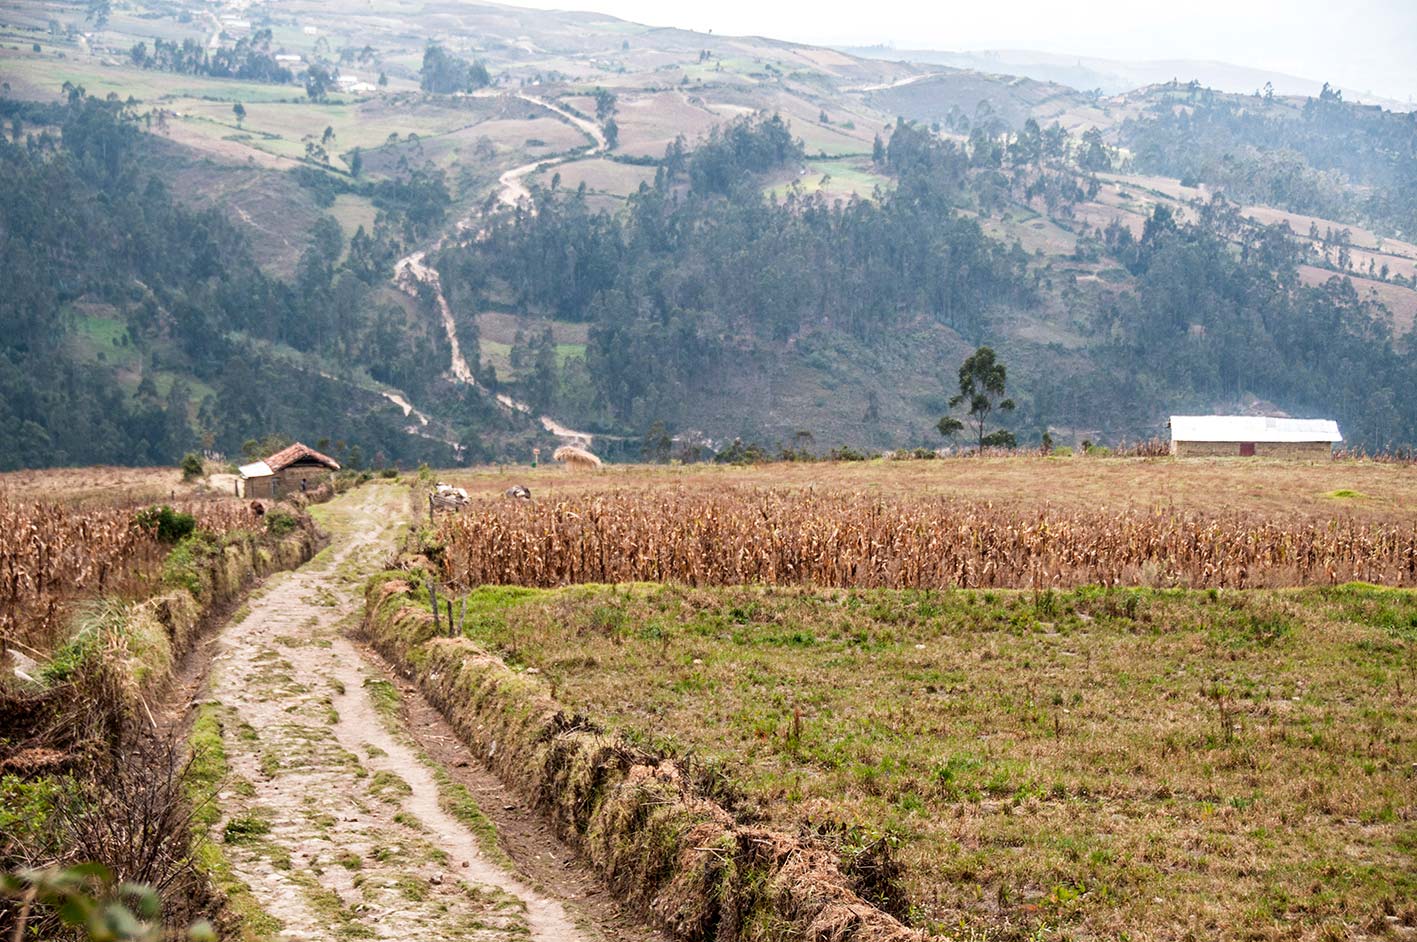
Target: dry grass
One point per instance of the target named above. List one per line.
(1288, 489)
(97, 486)
(1099, 764)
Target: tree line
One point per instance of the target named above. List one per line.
(1326, 157)
(249, 58)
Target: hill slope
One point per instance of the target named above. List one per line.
(1132, 260)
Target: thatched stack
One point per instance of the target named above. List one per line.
(576, 457)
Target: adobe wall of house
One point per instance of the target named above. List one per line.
(289, 478)
(1205, 449)
(262, 487)
(1306, 450)
(1295, 450)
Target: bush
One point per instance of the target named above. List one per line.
(184, 567)
(280, 522)
(740, 453)
(389, 473)
(167, 524)
(191, 466)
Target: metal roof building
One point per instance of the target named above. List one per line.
(1252, 435)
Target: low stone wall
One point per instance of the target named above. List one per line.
(655, 837)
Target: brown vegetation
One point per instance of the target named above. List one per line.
(1291, 490)
(737, 536)
(51, 555)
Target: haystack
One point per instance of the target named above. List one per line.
(576, 457)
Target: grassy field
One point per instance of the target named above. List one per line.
(836, 179)
(1091, 763)
(1095, 764)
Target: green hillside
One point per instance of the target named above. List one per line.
(734, 237)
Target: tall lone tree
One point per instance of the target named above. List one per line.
(981, 388)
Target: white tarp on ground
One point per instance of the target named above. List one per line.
(257, 469)
(1252, 428)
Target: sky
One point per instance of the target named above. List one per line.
(1363, 45)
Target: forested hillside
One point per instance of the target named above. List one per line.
(133, 329)
(288, 227)
(1320, 156)
(695, 273)
(702, 265)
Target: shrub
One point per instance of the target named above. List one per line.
(183, 567)
(280, 522)
(740, 453)
(166, 524)
(191, 466)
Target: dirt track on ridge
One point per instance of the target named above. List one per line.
(331, 812)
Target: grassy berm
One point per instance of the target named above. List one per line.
(1092, 764)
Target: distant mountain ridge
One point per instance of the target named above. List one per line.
(1116, 76)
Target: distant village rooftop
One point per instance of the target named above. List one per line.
(1252, 435)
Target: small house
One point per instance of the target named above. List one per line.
(1261, 436)
(292, 470)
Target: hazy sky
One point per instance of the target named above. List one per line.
(1363, 45)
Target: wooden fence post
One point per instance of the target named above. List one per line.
(433, 601)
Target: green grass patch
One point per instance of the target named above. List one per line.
(456, 800)
(385, 697)
(388, 787)
(1057, 760)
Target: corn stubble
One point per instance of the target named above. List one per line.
(735, 536)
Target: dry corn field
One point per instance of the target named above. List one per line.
(740, 536)
(51, 555)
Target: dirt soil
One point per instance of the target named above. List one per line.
(332, 811)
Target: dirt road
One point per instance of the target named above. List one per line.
(413, 270)
(333, 812)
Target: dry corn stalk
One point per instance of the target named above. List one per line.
(51, 555)
(741, 536)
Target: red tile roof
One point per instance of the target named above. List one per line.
(298, 452)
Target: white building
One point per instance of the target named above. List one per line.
(1252, 435)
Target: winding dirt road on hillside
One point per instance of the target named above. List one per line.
(332, 813)
(513, 190)
(413, 270)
